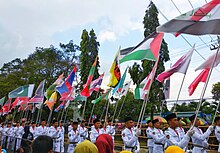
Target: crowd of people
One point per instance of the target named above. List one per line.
(99, 138)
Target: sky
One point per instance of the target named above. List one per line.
(25, 25)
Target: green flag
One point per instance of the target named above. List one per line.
(2, 100)
(23, 91)
(104, 96)
(80, 98)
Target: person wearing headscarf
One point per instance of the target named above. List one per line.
(104, 143)
(86, 147)
(174, 149)
(27, 138)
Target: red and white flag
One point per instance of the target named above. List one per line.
(208, 63)
(200, 78)
(6, 107)
(18, 101)
(180, 66)
(201, 21)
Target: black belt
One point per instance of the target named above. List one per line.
(149, 138)
(157, 143)
(73, 143)
(132, 148)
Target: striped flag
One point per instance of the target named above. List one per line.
(39, 94)
(200, 21)
(6, 107)
(61, 106)
(96, 84)
(120, 84)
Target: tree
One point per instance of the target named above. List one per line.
(138, 74)
(216, 91)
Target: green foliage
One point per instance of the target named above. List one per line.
(138, 73)
(216, 91)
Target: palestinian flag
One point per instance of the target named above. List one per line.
(147, 49)
(201, 21)
(23, 91)
(85, 92)
(115, 72)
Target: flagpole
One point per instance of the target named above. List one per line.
(66, 114)
(63, 111)
(50, 115)
(206, 84)
(15, 111)
(38, 113)
(106, 115)
(103, 110)
(93, 109)
(116, 105)
(119, 113)
(84, 108)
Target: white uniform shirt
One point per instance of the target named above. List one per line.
(217, 134)
(176, 139)
(94, 134)
(55, 134)
(42, 130)
(150, 141)
(83, 132)
(199, 138)
(159, 140)
(130, 140)
(18, 131)
(33, 131)
(181, 132)
(111, 131)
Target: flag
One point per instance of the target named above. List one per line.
(144, 87)
(200, 21)
(23, 106)
(120, 84)
(2, 100)
(180, 66)
(6, 107)
(52, 88)
(38, 106)
(18, 101)
(208, 62)
(103, 96)
(51, 101)
(71, 95)
(167, 89)
(96, 84)
(39, 94)
(124, 90)
(148, 49)
(61, 106)
(85, 92)
(80, 98)
(66, 88)
(115, 72)
(67, 104)
(23, 91)
(200, 78)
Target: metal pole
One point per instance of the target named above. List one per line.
(66, 115)
(106, 115)
(38, 114)
(62, 112)
(205, 86)
(179, 93)
(103, 109)
(50, 115)
(84, 108)
(116, 106)
(119, 113)
(91, 113)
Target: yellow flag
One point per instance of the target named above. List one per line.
(51, 101)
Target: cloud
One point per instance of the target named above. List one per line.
(106, 36)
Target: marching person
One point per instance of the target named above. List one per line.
(95, 132)
(18, 132)
(111, 129)
(83, 131)
(55, 134)
(174, 137)
(179, 129)
(62, 131)
(9, 134)
(33, 129)
(199, 138)
(42, 130)
(149, 132)
(158, 137)
(103, 130)
(74, 137)
(217, 131)
(130, 136)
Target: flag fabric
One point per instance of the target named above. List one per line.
(52, 88)
(38, 106)
(80, 98)
(2, 100)
(167, 89)
(67, 104)
(115, 72)
(61, 106)
(51, 101)
(18, 102)
(23, 91)
(180, 66)
(96, 84)
(120, 84)
(208, 62)
(125, 89)
(71, 96)
(6, 107)
(144, 87)
(39, 94)
(147, 49)
(23, 106)
(103, 96)
(85, 92)
(200, 21)
(200, 78)
(66, 88)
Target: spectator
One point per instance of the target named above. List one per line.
(174, 149)
(27, 139)
(86, 147)
(104, 143)
(42, 144)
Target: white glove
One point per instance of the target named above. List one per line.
(138, 131)
(190, 132)
(211, 128)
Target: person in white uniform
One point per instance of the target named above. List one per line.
(43, 129)
(130, 136)
(62, 131)
(158, 137)
(55, 134)
(217, 131)
(149, 132)
(83, 131)
(199, 139)
(95, 132)
(111, 129)
(74, 137)
(33, 129)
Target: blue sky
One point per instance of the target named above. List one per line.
(26, 24)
